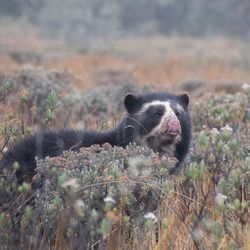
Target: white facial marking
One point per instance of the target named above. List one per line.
(167, 113)
(154, 103)
(159, 129)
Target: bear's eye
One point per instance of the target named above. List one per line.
(158, 113)
(177, 113)
(156, 110)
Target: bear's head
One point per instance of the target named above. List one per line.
(159, 120)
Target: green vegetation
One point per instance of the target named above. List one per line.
(125, 197)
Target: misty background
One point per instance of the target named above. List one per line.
(80, 21)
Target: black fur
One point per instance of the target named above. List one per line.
(133, 128)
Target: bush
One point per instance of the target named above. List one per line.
(104, 102)
(35, 85)
(97, 189)
(115, 197)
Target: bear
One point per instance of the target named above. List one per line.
(160, 121)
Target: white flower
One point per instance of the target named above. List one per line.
(79, 208)
(138, 166)
(150, 216)
(5, 150)
(220, 199)
(245, 86)
(109, 199)
(79, 203)
(227, 128)
(215, 131)
(71, 183)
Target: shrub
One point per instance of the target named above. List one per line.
(105, 102)
(73, 107)
(115, 197)
(86, 195)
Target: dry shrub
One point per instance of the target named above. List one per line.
(119, 198)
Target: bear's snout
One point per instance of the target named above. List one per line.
(174, 127)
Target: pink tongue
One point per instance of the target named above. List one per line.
(174, 127)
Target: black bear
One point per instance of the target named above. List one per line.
(159, 121)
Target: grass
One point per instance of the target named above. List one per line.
(124, 198)
(163, 60)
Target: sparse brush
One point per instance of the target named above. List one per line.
(104, 102)
(52, 106)
(39, 88)
(5, 89)
(125, 199)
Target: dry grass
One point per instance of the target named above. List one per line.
(168, 61)
(164, 60)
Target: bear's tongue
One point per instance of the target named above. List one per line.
(174, 127)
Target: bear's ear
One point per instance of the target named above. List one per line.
(131, 102)
(184, 98)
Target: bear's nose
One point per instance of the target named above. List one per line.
(174, 127)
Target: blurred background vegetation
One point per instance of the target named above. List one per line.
(147, 41)
(80, 21)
